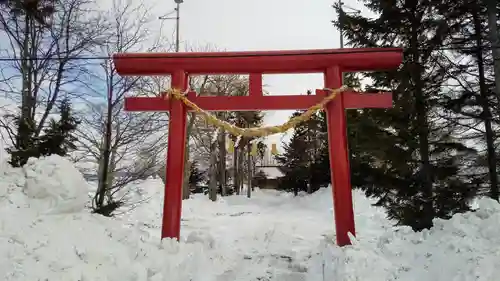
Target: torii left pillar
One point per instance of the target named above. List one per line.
(329, 62)
(175, 159)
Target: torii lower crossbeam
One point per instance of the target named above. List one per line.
(330, 62)
(247, 103)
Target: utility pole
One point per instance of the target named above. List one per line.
(341, 31)
(177, 21)
(495, 50)
(187, 165)
(177, 18)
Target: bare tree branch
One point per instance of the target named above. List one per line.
(123, 145)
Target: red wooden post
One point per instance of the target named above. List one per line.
(339, 160)
(172, 205)
(255, 84)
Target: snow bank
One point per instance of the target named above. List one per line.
(54, 180)
(462, 248)
(46, 235)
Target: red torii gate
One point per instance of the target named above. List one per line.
(329, 62)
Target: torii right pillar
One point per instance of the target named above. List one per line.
(340, 171)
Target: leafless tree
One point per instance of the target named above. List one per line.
(210, 143)
(124, 145)
(43, 43)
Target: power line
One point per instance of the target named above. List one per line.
(242, 55)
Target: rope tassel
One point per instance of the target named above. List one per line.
(230, 146)
(254, 150)
(274, 149)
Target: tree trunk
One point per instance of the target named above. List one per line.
(310, 179)
(105, 153)
(254, 168)
(111, 175)
(186, 185)
(495, 42)
(222, 162)
(494, 36)
(186, 188)
(422, 125)
(212, 186)
(24, 131)
(240, 174)
(249, 167)
(486, 114)
(236, 184)
(102, 176)
(309, 142)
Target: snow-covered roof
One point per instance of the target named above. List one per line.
(271, 172)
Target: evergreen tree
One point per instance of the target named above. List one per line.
(408, 156)
(303, 162)
(195, 176)
(294, 163)
(472, 100)
(306, 162)
(25, 142)
(57, 139)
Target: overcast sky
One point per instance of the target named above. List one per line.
(245, 25)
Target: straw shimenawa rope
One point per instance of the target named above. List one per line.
(259, 131)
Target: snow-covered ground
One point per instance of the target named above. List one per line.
(47, 234)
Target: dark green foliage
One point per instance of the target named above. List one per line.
(26, 143)
(195, 176)
(294, 165)
(408, 156)
(472, 100)
(57, 137)
(305, 161)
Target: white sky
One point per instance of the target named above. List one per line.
(241, 25)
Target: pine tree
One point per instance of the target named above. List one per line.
(408, 156)
(305, 173)
(25, 142)
(195, 176)
(473, 100)
(294, 164)
(304, 163)
(57, 139)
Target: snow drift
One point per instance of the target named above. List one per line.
(47, 234)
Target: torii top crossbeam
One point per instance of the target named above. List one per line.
(264, 62)
(256, 64)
